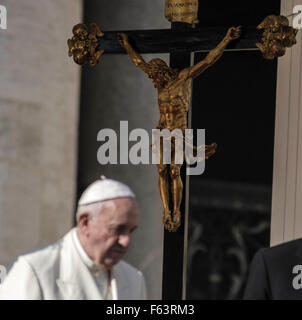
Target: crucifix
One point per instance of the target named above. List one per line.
(174, 95)
(180, 41)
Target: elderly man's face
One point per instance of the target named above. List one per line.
(108, 234)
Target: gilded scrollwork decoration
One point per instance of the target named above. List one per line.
(277, 36)
(83, 45)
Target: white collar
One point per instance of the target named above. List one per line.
(84, 256)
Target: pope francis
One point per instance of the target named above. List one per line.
(86, 263)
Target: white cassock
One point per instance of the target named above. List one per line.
(64, 271)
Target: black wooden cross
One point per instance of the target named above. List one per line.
(181, 37)
(179, 41)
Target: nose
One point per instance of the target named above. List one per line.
(124, 240)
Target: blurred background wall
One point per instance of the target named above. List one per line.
(39, 98)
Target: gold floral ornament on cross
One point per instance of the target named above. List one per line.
(82, 46)
(277, 36)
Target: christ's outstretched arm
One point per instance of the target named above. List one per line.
(232, 34)
(135, 57)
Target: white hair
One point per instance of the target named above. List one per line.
(92, 209)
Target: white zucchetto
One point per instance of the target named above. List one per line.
(105, 189)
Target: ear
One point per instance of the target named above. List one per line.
(84, 222)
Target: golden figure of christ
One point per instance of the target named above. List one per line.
(174, 95)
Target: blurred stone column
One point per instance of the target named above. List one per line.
(39, 92)
(286, 216)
